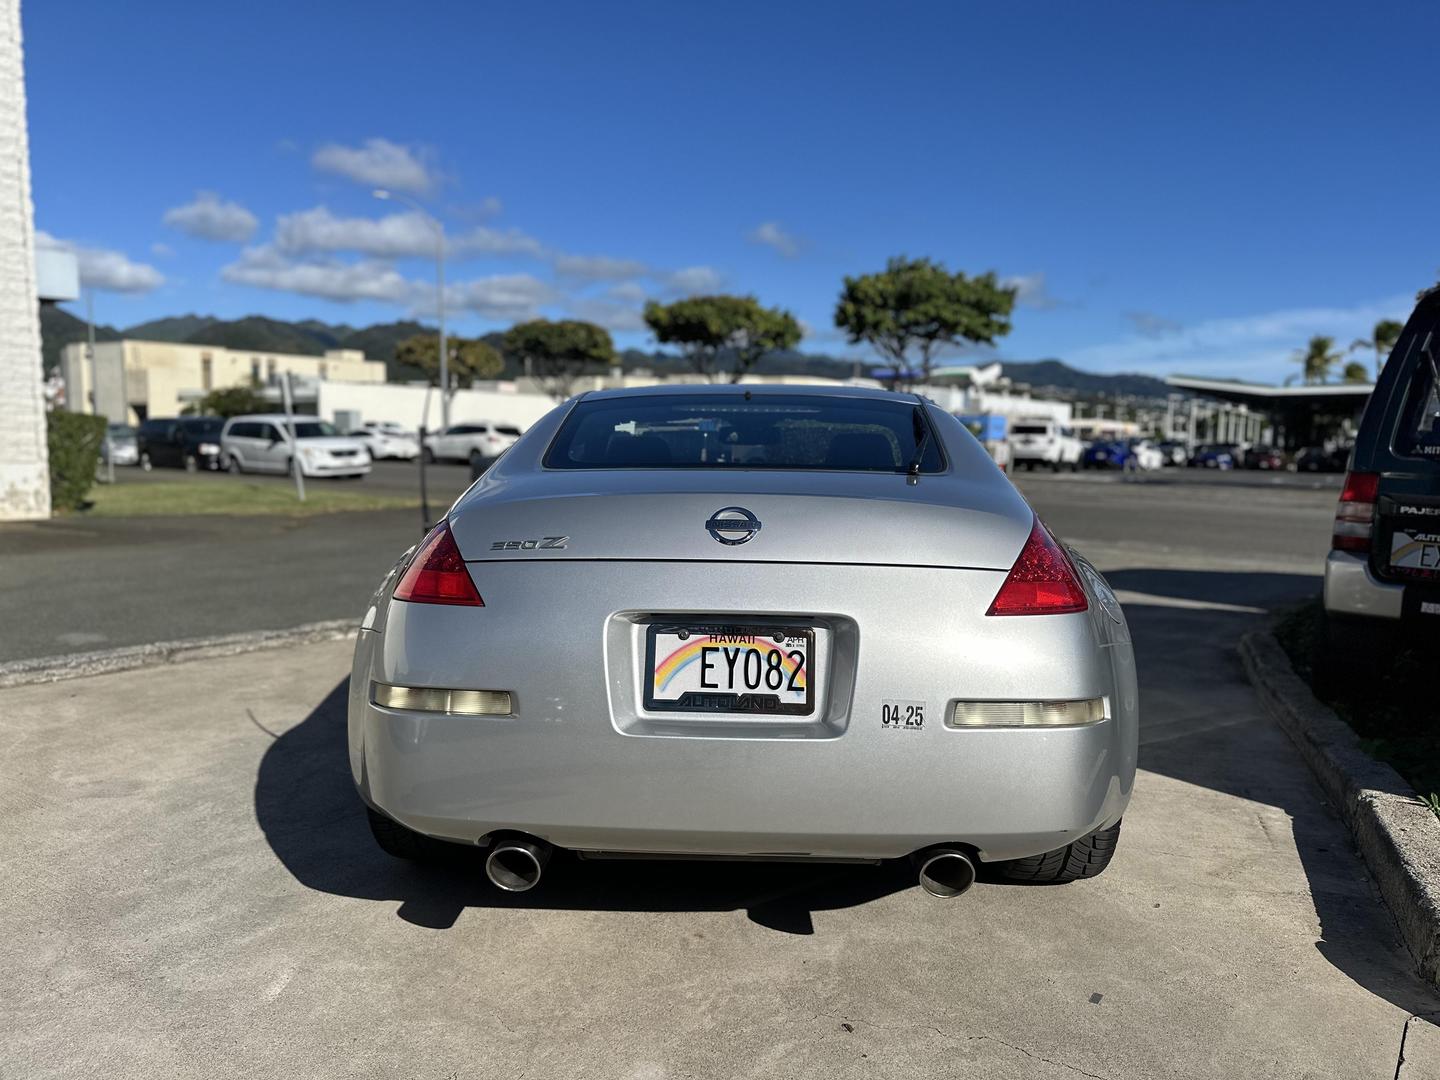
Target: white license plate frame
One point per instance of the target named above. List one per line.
(663, 639)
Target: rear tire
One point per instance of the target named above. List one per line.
(401, 843)
(233, 464)
(1084, 858)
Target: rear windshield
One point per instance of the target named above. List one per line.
(202, 427)
(506, 429)
(1420, 424)
(1031, 429)
(771, 431)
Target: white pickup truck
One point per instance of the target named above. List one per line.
(1042, 441)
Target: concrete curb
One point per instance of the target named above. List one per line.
(44, 669)
(1398, 836)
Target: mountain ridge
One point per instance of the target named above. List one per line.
(312, 337)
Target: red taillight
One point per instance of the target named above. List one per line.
(1355, 515)
(1042, 581)
(437, 574)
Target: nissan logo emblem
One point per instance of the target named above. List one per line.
(733, 525)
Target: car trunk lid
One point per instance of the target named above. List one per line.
(946, 520)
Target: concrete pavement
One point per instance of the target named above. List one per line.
(191, 891)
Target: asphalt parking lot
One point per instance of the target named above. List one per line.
(192, 891)
(97, 583)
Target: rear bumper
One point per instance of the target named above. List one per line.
(1351, 589)
(581, 765)
(322, 469)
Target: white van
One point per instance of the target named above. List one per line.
(265, 444)
(1043, 441)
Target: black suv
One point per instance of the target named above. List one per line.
(187, 442)
(1383, 572)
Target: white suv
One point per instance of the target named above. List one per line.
(1042, 441)
(474, 440)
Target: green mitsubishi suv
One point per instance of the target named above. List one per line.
(1382, 577)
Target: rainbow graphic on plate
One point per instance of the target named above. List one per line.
(689, 653)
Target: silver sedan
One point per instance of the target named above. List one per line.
(757, 622)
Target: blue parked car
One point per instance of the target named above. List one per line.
(1106, 454)
(1214, 456)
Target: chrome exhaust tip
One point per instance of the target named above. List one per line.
(945, 872)
(515, 865)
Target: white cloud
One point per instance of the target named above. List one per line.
(692, 280)
(102, 268)
(162, 250)
(211, 218)
(610, 314)
(377, 162)
(598, 267)
(265, 267)
(631, 292)
(1031, 291)
(771, 235)
(500, 296)
(393, 236)
(1257, 347)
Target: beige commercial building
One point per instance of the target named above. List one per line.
(136, 380)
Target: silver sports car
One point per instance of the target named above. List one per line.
(759, 622)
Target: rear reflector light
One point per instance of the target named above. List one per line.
(434, 699)
(1355, 514)
(1026, 713)
(1042, 581)
(437, 574)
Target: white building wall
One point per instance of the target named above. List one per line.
(407, 405)
(24, 462)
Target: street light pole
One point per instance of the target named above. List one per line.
(439, 227)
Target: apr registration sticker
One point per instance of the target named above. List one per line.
(902, 715)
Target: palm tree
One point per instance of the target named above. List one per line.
(1355, 373)
(1382, 339)
(1317, 358)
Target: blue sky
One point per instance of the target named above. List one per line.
(1175, 186)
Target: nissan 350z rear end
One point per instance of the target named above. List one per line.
(770, 623)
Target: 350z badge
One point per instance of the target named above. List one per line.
(530, 545)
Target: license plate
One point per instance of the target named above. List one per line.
(1415, 551)
(729, 668)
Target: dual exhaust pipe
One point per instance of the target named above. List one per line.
(516, 863)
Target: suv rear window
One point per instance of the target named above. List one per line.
(1031, 429)
(1419, 432)
(769, 431)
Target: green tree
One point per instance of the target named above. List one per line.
(1317, 358)
(558, 353)
(917, 305)
(1355, 372)
(232, 401)
(1382, 340)
(469, 358)
(712, 330)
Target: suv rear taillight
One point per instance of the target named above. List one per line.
(1042, 581)
(1355, 516)
(437, 574)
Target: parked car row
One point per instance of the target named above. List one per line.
(271, 442)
